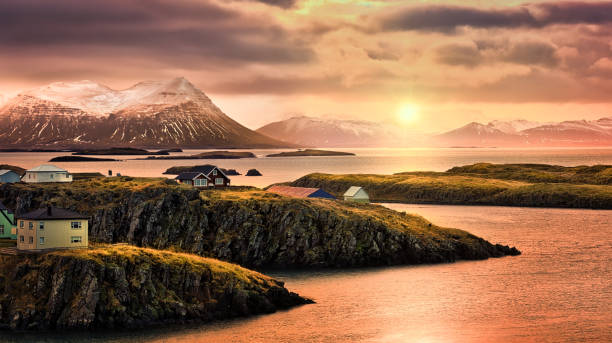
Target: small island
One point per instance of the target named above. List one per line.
(124, 151)
(217, 155)
(74, 158)
(200, 168)
(311, 152)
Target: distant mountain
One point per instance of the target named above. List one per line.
(520, 133)
(328, 133)
(170, 113)
(476, 134)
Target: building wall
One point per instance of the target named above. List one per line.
(10, 177)
(56, 234)
(224, 181)
(38, 177)
(360, 196)
(6, 225)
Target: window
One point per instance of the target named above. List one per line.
(51, 175)
(75, 225)
(21, 239)
(41, 241)
(200, 182)
(219, 181)
(75, 239)
(21, 223)
(30, 225)
(2, 229)
(30, 240)
(41, 225)
(214, 171)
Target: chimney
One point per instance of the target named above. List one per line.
(49, 211)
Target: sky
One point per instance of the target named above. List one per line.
(427, 65)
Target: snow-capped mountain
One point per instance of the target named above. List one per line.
(525, 133)
(170, 113)
(514, 126)
(476, 134)
(319, 132)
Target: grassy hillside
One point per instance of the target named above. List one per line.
(123, 286)
(481, 184)
(538, 173)
(252, 227)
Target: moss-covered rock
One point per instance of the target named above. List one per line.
(128, 287)
(252, 227)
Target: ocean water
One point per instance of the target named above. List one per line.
(558, 290)
(281, 169)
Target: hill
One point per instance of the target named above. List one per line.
(250, 227)
(481, 184)
(110, 286)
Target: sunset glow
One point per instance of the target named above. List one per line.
(461, 60)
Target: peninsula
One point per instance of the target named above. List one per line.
(121, 286)
(531, 185)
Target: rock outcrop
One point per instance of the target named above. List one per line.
(129, 287)
(251, 227)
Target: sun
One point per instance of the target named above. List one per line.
(408, 113)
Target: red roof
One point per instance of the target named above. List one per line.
(296, 192)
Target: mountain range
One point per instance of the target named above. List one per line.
(171, 113)
(318, 132)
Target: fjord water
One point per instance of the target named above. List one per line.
(281, 169)
(558, 290)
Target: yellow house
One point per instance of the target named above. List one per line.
(51, 228)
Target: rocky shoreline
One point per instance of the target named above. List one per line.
(128, 287)
(251, 227)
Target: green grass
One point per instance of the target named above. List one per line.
(481, 184)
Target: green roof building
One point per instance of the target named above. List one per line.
(8, 228)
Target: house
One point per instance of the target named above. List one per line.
(51, 228)
(357, 194)
(207, 177)
(9, 176)
(300, 192)
(46, 173)
(7, 223)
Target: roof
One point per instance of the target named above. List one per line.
(188, 175)
(205, 169)
(47, 168)
(4, 171)
(300, 192)
(4, 208)
(352, 191)
(52, 213)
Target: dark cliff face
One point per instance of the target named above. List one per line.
(255, 228)
(128, 287)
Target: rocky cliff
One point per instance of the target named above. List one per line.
(252, 227)
(129, 287)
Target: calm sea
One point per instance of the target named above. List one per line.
(280, 169)
(558, 290)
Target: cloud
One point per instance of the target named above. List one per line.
(279, 3)
(458, 55)
(530, 53)
(157, 29)
(446, 18)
